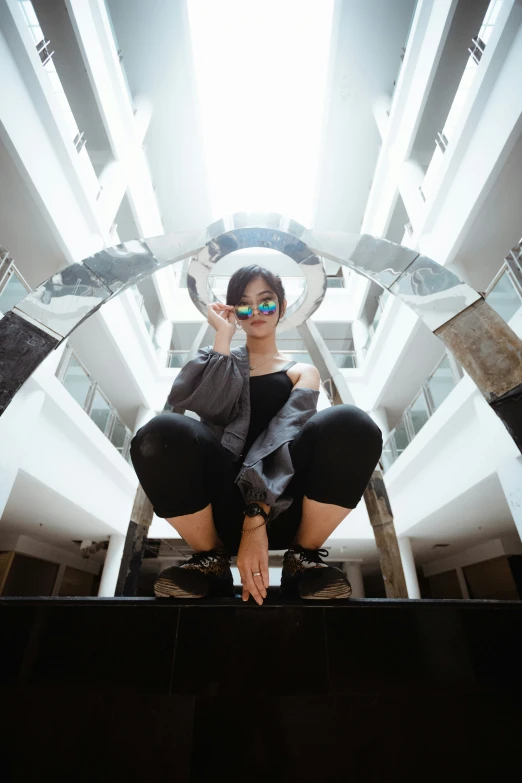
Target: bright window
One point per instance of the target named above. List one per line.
(261, 72)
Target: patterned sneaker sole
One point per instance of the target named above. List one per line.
(336, 590)
(164, 588)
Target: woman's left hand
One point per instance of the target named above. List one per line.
(252, 558)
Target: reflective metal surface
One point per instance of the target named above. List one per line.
(315, 279)
(69, 297)
(377, 259)
(435, 293)
(64, 300)
(117, 266)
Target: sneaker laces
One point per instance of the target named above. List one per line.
(312, 555)
(203, 558)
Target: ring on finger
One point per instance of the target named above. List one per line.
(257, 573)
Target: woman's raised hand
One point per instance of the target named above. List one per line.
(222, 318)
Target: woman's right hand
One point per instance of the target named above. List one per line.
(222, 318)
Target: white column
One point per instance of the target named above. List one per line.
(111, 567)
(354, 575)
(411, 177)
(381, 112)
(360, 332)
(510, 477)
(408, 565)
(380, 417)
(462, 582)
(143, 416)
(323, 360)
(163, 338)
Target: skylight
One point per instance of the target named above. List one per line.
(261, 69)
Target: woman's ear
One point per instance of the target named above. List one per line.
(283, 310)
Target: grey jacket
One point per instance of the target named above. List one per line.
(217, 388)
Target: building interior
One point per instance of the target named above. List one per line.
(123, 120)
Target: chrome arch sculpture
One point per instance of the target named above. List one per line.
(479, 339)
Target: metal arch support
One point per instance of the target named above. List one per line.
(481, 341)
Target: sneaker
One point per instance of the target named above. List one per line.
(306, 576)
(206, 573)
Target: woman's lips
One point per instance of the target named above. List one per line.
(257, 323)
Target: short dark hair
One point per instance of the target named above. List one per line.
(243, 276)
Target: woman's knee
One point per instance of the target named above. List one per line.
(161, 432)
(350, 424)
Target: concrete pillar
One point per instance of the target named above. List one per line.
(380, 417)
(111, 567)
(510, 477)
(354, 575)
(408, 566)
(133, 551)
(163, 338)
(360, 332)
(381, 519)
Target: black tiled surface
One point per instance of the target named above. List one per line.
(309, 738)
(102, 649)
(17, 623)
(372, 652)
(255, 650)
(83, 737)
(126, 689)
(494, 638)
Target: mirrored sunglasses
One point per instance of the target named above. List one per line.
(244, 312)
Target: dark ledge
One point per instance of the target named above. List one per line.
(271, 600)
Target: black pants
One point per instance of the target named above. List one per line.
(183, 467)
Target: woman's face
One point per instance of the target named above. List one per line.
(258, 292)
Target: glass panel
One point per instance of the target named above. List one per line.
(13, 293)
(504, 298)
(146, 320)
(100, 411)
(177, 359)
(77, 382)
(119, 433)
(388, 455)
(298, 356)
(401, 437)
(419, 413)
(346, 360)
(441, 383)
(335, 282)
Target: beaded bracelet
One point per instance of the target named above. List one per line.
(254, 528)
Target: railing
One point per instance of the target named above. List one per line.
(87, 393)
(433, 392)
(504, 294)
(343, 359)
(447, 134)
(293, 284)
(13, 287)
(376, 320)
(177, 358)
(219, 283)
(90, 180)
(140, 301)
